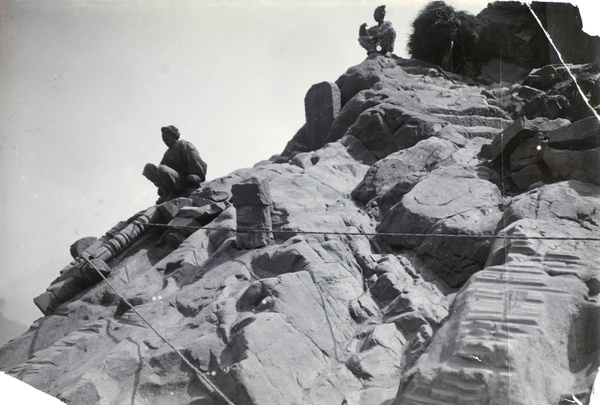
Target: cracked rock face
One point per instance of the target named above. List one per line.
(404, 264)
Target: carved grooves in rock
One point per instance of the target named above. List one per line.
(499, 307)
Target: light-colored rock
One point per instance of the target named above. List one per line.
(450, 218)
(545, 261)
(573, 201)
(381, 356)
(363, 308)
(497, 326)
(425, 156)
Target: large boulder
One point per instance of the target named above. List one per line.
(505, 143)
(363, 76)
(573, 152)
(425, 156)
(257, 358)
(449, 218)
(583, 165)
(567, 210)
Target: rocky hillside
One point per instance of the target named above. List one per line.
(421, 240)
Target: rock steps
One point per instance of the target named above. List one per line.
(474, 121)
(452, 389)
(470, 132)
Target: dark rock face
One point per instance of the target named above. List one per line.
(322, 105)
(543, 150)
(511, 42)
(423, 250)
(511, 31)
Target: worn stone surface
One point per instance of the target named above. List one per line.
(443, 217)
(397, 273)
(384, 174)
(388, 112)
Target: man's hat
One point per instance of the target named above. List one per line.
(172, 129)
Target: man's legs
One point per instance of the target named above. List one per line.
(193, 180)
(170, 178)
(166, 179)
(367, 43)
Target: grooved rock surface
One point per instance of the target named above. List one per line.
(501, 320)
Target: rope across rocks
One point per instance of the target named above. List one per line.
(333, 233)
(212, 389)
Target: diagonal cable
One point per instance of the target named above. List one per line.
(212, 389)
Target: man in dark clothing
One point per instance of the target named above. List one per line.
(180, 168)
(379, 38)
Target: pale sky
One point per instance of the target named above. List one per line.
(86, 85)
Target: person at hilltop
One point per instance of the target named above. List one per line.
(180, 168)
(378, 38)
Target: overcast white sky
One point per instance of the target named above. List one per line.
(86, 85)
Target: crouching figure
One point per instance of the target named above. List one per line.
(180, 168)
(378, 38)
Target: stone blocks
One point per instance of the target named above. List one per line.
(508, 140)
(252, 201)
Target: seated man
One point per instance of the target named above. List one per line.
(181, 167)
(379, 38)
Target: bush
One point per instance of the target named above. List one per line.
(444, 36)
